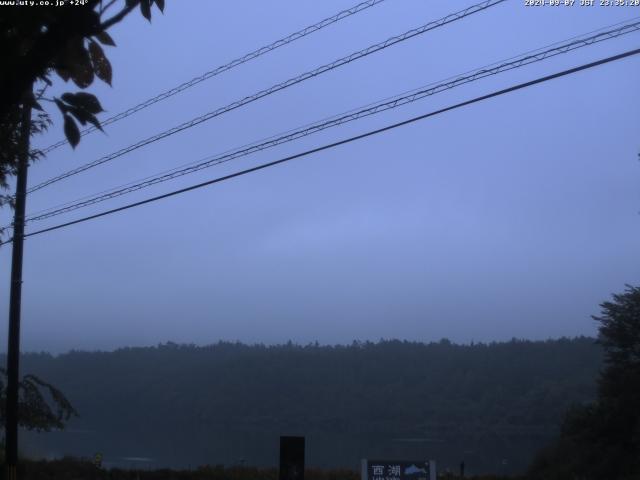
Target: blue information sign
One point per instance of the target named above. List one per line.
(398, 470)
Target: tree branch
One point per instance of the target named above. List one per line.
(46, 48)
(117, 18)
(107, 6)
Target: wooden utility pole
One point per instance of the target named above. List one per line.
(13, 350)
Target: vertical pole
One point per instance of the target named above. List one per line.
(13, 351)
(292, 458)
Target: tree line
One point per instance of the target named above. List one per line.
(493, 405)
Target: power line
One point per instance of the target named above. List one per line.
(622, 29)
(275, 88)
(388, 104)
(342, 142)
(223, 68)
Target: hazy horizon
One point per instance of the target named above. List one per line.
(303, 345)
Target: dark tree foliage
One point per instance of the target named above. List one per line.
(42, 407)
(602, 439)
(9, 141)
(184, 404)
(38, 42)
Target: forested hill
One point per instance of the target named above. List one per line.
(492, 405)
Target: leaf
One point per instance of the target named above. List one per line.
(89, 102)
(105, 39)
(101, 64)
(69, 98)
(81, 115)
(63, 108)
(145, 8)
(63, 73)
(95, 122)
(132, 3)
(79, 63)
(83, 100)
(71, 131)
(83, 106)
(160, 4)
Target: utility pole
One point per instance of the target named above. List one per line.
(13, 350)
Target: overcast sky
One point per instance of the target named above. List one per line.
(514, 217)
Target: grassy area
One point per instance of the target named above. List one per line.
(79, 469)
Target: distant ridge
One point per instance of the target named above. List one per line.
(215, 404)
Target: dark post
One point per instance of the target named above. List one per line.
(462, 469)
(13, 351)
(291, 458)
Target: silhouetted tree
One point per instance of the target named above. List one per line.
(42, 407)
(501, 400)
(602, 439)
(37, 42)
